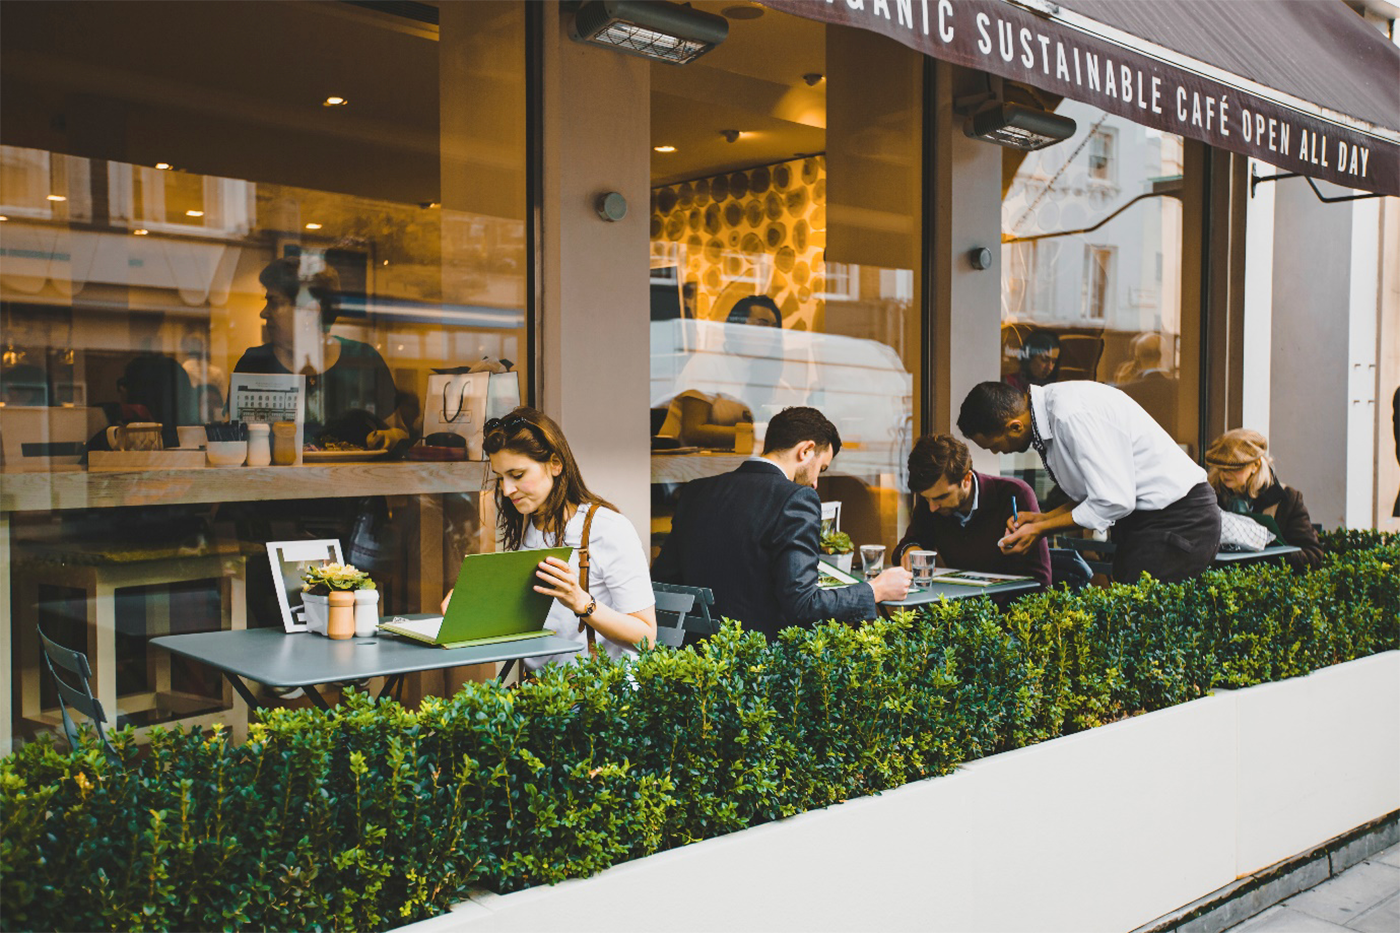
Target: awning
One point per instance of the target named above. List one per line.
(1307, 86)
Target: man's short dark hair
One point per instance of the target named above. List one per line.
(941, 456)
(792, 426)
(988, 408)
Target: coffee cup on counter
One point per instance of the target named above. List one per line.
(138, 435)
(191, 436)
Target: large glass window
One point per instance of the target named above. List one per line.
(194, 194)
(786, 235)
(1092, 270)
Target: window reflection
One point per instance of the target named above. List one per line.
(1092, 269)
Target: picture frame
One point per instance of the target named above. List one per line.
(288, 560)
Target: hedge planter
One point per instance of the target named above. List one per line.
(1102, 830)
(1089, 769)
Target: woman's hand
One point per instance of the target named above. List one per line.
(445, 600)
(561, 582)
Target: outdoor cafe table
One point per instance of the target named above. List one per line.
(279, 659)
(935, 591)
(1222, 559)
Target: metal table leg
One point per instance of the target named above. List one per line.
(243, 690)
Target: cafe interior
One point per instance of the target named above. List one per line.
(157, 159)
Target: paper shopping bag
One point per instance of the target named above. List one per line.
(456, 404)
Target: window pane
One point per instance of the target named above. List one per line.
(187, 208)
(783, 260)
(1092, 270)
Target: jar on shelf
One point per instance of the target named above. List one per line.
(259, 448)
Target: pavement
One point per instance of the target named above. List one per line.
(1365, 898)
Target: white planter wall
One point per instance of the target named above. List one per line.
(1104, 830)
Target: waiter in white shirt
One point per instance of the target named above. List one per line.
(1119, 468)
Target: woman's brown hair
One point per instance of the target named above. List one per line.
(531, 433)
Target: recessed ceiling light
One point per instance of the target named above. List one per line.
(664, 148)
(747, 11)
(313, 226)
(194, 213)
(164, 166)
(334, 102)
(57, 197)
(3, 218)
(140, 231)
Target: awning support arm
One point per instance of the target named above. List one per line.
(1256, 179)
(1059, 233)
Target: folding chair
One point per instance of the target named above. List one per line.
(681, 609)
(76, 663)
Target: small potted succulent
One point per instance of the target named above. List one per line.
(333, 586)
(837, 549)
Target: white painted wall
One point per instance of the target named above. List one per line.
(1363, 319)
(1257, 352)
(594, 334)
(1105, 830)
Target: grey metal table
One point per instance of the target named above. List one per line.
(278, 659)
(936, 591)
(1271, 552)
(1222, 559)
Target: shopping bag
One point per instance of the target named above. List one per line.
(456, 404)
(503, 394)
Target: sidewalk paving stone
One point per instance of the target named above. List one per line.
(1390, 856)
(1279, 919)
(1383, 918)
(1350, 894)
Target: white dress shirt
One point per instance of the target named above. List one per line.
(1108, 454)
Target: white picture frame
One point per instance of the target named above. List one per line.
(288, 560)
(831, 513)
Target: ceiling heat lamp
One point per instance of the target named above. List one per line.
(992, 118)
(664, 32)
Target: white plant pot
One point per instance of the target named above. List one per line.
(366, 613)
(839, 561)
(318, 612)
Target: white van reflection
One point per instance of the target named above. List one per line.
(861, 385)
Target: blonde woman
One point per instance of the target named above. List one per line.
(1240, 470)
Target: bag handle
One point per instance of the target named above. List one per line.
(591, 634)
(461, 401)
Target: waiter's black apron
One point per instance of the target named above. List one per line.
(1173, 544)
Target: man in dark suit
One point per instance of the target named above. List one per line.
(751, 535)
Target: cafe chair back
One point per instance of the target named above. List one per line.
(681, 609)
(79, 697)
(1069, 567)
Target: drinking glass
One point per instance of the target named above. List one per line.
(921, 566)
(872, 558)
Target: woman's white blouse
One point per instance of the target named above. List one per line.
(618, 577)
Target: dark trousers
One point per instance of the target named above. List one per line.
(1172, 544)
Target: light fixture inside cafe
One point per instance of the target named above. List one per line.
(164, 166)
(334, 101)
(194, 213)
(663, 148)
(730, 136)
(57, 197)
(313, 226)
(664, 32)
(140, 231)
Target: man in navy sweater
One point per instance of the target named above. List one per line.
(962, 514)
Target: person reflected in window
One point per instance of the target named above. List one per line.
(1241, 472)
(1040, 362)
(1146, 382)
(350, 393)
(152, 388)
(699, 418)
(962, 514)
(542, 501)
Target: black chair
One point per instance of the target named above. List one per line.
(681, 609)
(76, 663)
(1068, 567)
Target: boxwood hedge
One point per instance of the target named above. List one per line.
(373, 815)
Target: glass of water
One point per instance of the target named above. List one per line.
(872, 558)
(921, 566)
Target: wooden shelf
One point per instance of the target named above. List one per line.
(866, 464)
(79, 489)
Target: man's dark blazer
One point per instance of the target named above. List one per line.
(751, 536)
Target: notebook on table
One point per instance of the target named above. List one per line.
(975, 578)
(494, 601)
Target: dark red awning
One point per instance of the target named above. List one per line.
(1307, 85)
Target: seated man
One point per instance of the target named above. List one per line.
(962, 514)
(751, 535)
(1119, 468)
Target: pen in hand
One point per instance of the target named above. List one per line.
(1015, 512)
